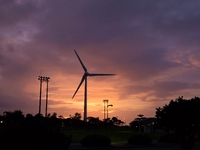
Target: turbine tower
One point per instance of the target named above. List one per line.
(84, 78)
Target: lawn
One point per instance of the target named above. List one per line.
(116, 135)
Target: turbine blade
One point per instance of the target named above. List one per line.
(83, 78)
(99, 74)
(84, 68)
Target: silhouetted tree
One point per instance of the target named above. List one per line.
(61, 117)
(77, 116)
(94, 122)
(106, 120)
(135, 124)
(181, 116)
(93, 119)
(29, 115)
(140, 115)
(117, 122)
(74, 121)
(31, 132)
(54, 115)
(13, 119)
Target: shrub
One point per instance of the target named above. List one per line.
(96, 140)
(139, 139)
(26, 139)
(33, 134)
(168, 138)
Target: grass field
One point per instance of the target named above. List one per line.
(116, 135)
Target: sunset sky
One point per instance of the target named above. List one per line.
(152, 46)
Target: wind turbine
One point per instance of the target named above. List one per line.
(84, 78)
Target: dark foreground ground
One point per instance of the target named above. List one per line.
(117, 146)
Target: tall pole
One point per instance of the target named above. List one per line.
(107, 109)
(104, 110)
(107, 112)
(47, 80)
(85, 100)
(105, 102)
(41, 80)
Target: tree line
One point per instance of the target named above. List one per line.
(180, 116)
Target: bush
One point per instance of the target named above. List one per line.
(33, 133)
(96, 140)
(168, 138)
(139, 139)
(26, 139)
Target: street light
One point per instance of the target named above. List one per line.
(105, 101)
(43, 79)
(110, 105)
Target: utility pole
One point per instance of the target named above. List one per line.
(47, 81)
(41, 78)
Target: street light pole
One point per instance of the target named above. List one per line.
(107, 109)
(43, 79)
(105, 101)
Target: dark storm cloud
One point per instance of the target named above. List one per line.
(144, 64)
(179, 21)
(14, 68)
(90, 22)
(77, 23)
(13, 12)
(169, 88)
(160, 89)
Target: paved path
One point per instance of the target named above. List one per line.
(75, 146)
